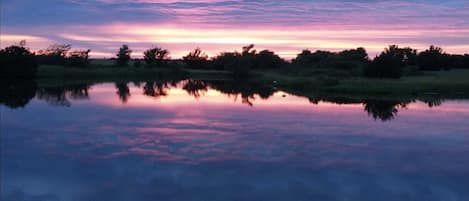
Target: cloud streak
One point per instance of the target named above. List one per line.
(220, 25)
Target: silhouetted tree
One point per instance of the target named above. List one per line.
(390, 63)
(155, 56)
(354, 55)
(79, 58)
(309, 59)
(196, 59)
(123, 56)
(54, 55)
(240, 64)
(432, 59)
(17, 61)
(266, 59)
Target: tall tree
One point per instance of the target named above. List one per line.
(123, 56)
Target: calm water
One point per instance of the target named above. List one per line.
(196, 140)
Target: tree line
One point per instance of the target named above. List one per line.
(393, 62)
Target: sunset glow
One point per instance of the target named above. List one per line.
(286, 27)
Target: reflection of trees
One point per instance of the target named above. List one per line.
(155, 89)
(123, 92)
(246, 89)
(384, 110)
(336, 100)
(59, 96)
(432, 102)
(195, 87)
(17, 93)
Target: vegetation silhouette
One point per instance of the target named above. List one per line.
(344, 60)
(17, 61)
(55, 54)
(196, 59)
(241, 64)
(433, 59)
(16, 93)
(391, 62)
(61, 54)
(123, 55)
(79, 58)
(155, 57)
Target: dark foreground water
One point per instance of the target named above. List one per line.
(195, 140)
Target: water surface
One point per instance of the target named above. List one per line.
(220, 140)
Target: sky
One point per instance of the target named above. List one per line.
(284, 26)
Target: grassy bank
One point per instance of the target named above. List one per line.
(445, 83)
(108, 73)
(453, 83)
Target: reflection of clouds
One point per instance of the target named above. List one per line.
(194, 151)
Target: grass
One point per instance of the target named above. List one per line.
(99, 73)
(453, 83)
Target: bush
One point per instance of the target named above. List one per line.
(390, 63)
(54, 55)
(234, 62)
(196, 59)
(384, 66)
(308, 59)
(432, 59)
(266, 59)
(79, 58)
(17, 61)
(155, 56)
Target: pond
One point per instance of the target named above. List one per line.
(226, 140)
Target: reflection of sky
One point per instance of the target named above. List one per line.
(284, 26)
(212, 148)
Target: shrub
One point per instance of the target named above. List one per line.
(155, 56)
(17, 61)
(390, 63)
(432, 59)
(266, 59)
(79, 58)
(196, 59)
(308, 59)
(54, 55)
